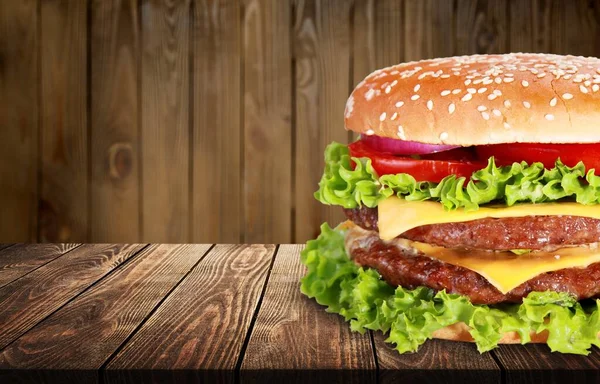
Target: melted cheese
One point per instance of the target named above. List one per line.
(505, 270)
(397, 215)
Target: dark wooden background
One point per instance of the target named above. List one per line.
(206, 120)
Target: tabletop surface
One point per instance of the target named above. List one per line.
(230, 313)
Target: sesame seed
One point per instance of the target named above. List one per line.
(472, 90)
(370, 132)
(456, 73)
(492, 96)
(382, 116)
(497, 92)
(595, 87)
(525, 83)
(445, 93)
(401, 133)
(481, 90)
(508, 79)
(587, 83)
(456, 91)
(417, 87)
(527, 104)
(577, 80)
(506, 125)
(507, 103)
(399, 104)
(388, 89)
(429, 104)
(369, 94)
(467, 97)
(394, 116)
(481, 108)
(509, 75)
(583, 89)
(567, 96)
(443, 135)
(394, 83)
(498, 80)
(445, 76)
(451, 108)
(487, 81)
(485, 115)
(496, 112)
(414, 97)
(549, 116)
(553, 102)
(468, 81)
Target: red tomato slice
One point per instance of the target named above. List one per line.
(569, 154)
(445, 163)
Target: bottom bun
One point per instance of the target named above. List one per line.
(460, 332)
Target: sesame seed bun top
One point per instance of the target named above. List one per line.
(481, 99)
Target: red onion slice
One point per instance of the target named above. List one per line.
(402, 147)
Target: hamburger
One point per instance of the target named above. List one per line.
(472, 203)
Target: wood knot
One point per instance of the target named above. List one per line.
(120, 160)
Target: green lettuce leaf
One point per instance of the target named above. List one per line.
(411, 316)
(519, 182)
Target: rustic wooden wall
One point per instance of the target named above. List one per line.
(206, 120)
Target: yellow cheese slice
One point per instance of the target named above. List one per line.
(505, 270)
(397, 215)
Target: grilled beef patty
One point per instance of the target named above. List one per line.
(531, 232)
(402, 267)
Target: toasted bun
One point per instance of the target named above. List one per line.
(481, 99)
(460, 332)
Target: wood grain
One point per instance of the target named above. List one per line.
(267, 121)
(217, 141)
(88, 330)
(530, 28)
(21, 259)
(114, 117)
(41, 292)
(389, 32)
(322, 55)
(18, 120)
(5, 245)
(63, 209)
(165, 121)
(535, 363)
(574, 27)
(481, 27)
(295, 340)
(201, 326)
(428, 29)
(437, 361)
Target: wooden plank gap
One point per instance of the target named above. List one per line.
(5, 281)
(238, 364)
(150, 314)
(500, 365)
(30, 306)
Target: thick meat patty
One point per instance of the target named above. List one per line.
(532, 232)
(401, 267)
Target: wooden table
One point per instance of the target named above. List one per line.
(182, 313)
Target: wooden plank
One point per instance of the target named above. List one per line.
(217, 140)
(295, 340)
(63, 209)
(481, 27)
(165, 121)
(437, 361)
(5, 245)
(530, 27)
(19, 120)
(428, 29)
(267, 121)
(574, 27)
(114, 45)
(389, 32)
(21, 259)
(27, 301)
(87, 331)
(322, 54)
(214, 307)
(535, 363)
